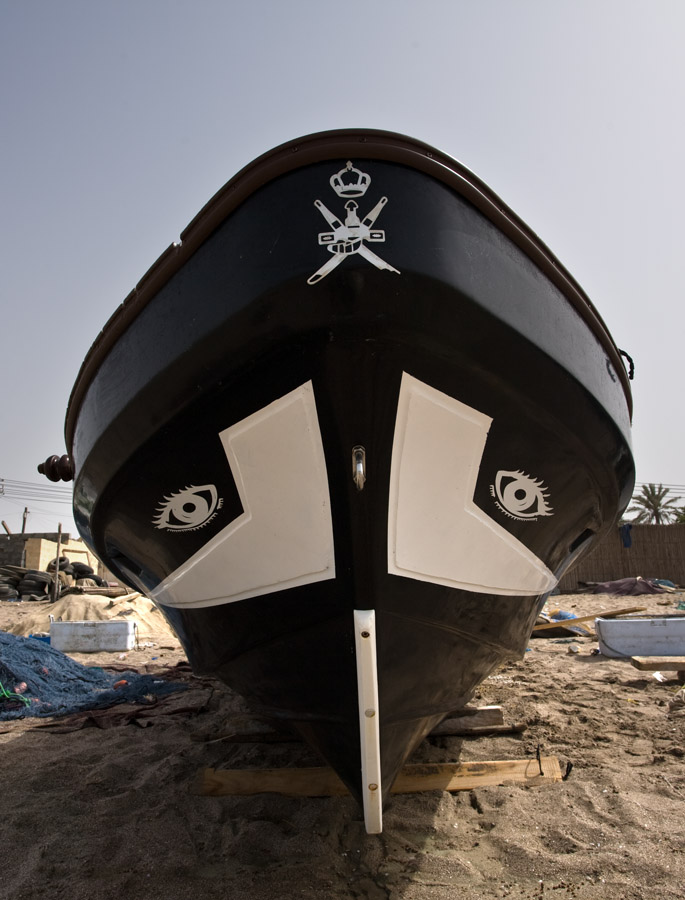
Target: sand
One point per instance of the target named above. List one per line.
(94, 815)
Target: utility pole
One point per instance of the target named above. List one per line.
(56, 585)
(24, 518)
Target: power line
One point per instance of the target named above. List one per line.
(671, 487)
(29, 492)
(25, 518)
(32, 485)
(664, 483)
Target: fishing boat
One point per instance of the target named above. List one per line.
(348, 433)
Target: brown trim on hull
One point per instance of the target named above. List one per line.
(366, 143)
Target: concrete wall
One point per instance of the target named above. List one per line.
(41, 551)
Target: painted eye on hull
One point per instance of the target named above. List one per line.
(189, 509)
(521, 496)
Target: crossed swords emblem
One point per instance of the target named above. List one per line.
(349, 237)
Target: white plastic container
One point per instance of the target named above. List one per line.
(642, 636)
(92, 637)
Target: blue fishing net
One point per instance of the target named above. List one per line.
(57, 685)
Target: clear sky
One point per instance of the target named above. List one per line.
(119, 120)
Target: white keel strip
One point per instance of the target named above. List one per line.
(367, 691)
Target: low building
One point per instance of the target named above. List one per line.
(37, 550)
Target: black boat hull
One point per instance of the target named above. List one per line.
(430, 428)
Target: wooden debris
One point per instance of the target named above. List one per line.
(323, 782)
(449, 729)
(566, 623)
(477, 716)
(658, 663)
(661, 664)
(466, 776)
(472, 721)
(475, 722)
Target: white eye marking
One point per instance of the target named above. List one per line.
(520, 496)
(189, 509)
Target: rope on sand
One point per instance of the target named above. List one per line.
(8, 695)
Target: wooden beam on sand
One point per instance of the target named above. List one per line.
(568, 623)
(473, 721)
(323, 782)
(659, 663)
(476, 716)
(448, 728)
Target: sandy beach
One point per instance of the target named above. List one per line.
(93, 813)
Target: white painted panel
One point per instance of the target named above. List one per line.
(284, 538)
(436, 533)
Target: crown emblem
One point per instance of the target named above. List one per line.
(350, 182)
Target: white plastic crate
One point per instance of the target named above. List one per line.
(641, 636)
(92, 637)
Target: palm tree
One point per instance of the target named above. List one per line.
(653, 505)
(679, 516)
